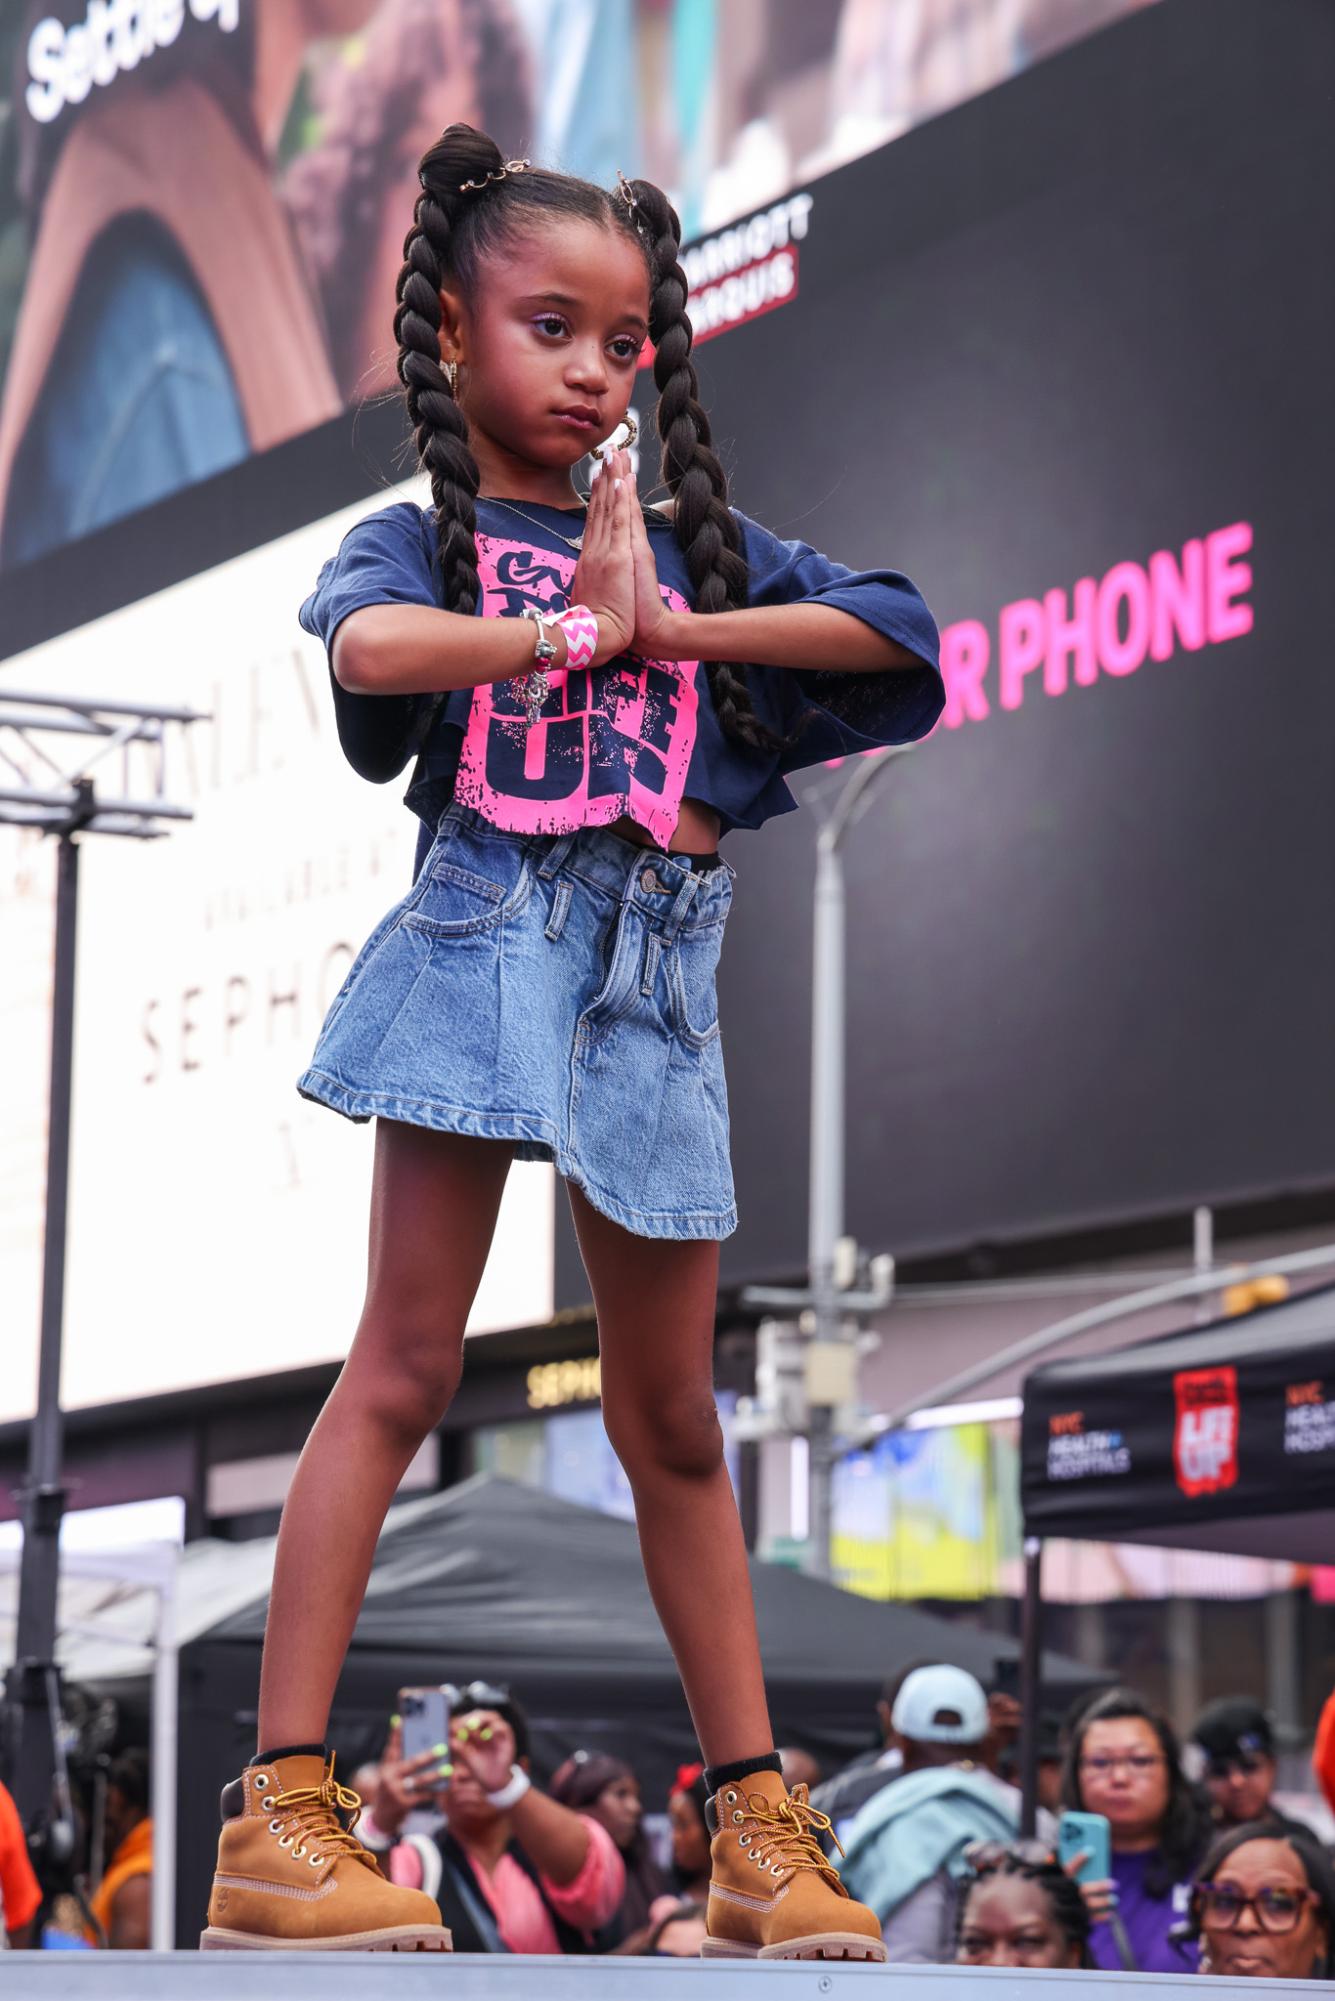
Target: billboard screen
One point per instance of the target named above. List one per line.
(203, 202)
(1082, 401)
(1091, 974)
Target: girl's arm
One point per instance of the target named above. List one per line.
(553, 1837)
(796, 633)
(411, 649)
(782, 635)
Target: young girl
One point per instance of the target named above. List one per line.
(545, 991)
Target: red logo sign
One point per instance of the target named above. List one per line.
(1205, 1440)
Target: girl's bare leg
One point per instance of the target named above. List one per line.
(655, 1301)
(434, 1202)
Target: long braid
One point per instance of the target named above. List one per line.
(440, 431)
(705, 527)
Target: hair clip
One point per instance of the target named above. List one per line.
(627, 192)
(498, 174)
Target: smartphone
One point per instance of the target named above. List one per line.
(1006, 1676)
(1086, 1833)
(426, 1718)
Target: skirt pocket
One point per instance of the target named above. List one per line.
(458, 902)
(692, 964)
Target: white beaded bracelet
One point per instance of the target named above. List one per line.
(515, 1790)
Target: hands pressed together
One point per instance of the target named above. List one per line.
(616, 576)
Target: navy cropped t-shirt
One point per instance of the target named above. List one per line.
(630, 736)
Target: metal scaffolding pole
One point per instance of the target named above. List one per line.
(43, 1495)
(67, 805)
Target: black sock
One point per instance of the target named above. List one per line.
(289, 1751)
(728, 1775)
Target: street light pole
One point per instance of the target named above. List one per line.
(825, 1306)
(825, 1220)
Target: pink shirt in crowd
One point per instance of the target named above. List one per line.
(588, 1903)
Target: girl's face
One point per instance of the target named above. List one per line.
(618, 1807)
(690, 1838)
(1247, 1950)
(1124, 1774)
(1008, 1921)
(549, 343)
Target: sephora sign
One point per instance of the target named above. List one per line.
(218, 1221)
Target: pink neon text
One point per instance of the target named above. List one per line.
(1111, 625)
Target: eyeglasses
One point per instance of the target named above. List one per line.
(985, 1856)
(1138, 1763)
(1221, 1906)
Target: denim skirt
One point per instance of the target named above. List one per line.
(556, 991)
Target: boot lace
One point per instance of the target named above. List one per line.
(308, 1817)
(785, 1833)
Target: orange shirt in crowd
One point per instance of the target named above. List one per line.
(20, 1896)
(134, 1857)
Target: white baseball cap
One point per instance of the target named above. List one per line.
(931, 1698)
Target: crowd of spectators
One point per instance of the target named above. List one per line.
(1205, 1871)
(100, 1897)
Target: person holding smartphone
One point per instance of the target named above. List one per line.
(511, 1870)
(1123, 1763)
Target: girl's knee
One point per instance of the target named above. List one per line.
(410, 1380)
(679, 1434)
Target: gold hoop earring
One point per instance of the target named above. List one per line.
(632, 433)
(452, 376)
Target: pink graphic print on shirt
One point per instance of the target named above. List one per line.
(610, 740)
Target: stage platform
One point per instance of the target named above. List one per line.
(347, 1976)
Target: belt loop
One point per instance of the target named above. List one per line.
(560, 909)
(689, 885)
(556, 854)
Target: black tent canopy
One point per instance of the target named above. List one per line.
(497, 1580)
(1218, 1438)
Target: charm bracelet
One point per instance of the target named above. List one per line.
(535, 682)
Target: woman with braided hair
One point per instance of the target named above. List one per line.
(594, 691)
(1020, 1908)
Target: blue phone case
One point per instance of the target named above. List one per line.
(1078, 1832)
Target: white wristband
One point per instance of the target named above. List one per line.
(515, 1790)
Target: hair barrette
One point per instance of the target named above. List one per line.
(627, 192)
(497, 174)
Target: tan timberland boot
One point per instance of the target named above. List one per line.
(773, 1893)
(291, 1874)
